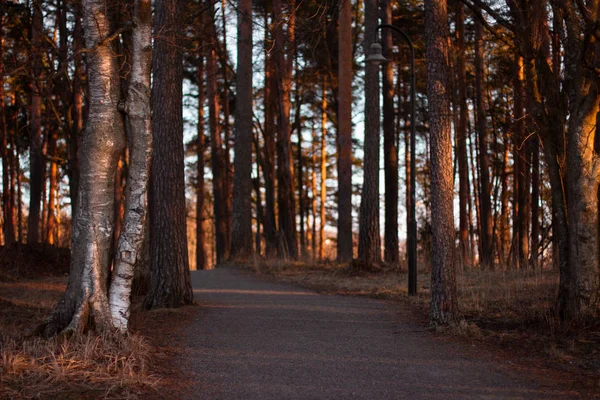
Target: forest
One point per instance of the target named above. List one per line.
(439, 155)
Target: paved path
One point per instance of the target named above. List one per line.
(262, 340)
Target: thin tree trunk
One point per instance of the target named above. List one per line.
(345, 77)
(139, 117)
(228, 181)
(486, 229)
(201, 255)
(461, 141)
(241, 245)
(444, 307)
(216, 145)
(8, 230)
(287, 209)
(35, 147)
(323, 170)
(314, 193)
(391, 250)
(270, 226)
(77, 112)
(51, 224)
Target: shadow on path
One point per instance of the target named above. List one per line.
(262, 340)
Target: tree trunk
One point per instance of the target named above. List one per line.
(227, 181)
(461, 141)
(201, 255)
(270, 227)
(35, 146)
(323, 170)
(485, 231)
(8, 230)
(314, 194)
(391, 250)
(52, 186)
(77, 111)
(241, 242)
(138, 109)
(444, 307)
(287, 209)
(345, 77)
(369, 248)
(85, 302)
(170, 276)
(216, 145)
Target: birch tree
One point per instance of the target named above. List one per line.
(138, 111)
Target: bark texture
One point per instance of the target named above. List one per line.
(369, 241)
(138, 110)
(170, 277)
(344, 138)
(443, 284)
(85, 302)
(241, 239)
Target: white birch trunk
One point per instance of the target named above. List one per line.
(138, 111)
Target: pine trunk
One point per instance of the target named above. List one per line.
(444, 307)
(345, 77)
(241, 242)
(170, 284)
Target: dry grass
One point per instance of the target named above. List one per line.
(512, 309)
(85, 367)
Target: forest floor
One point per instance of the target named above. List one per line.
(511, 312)
(89, 367)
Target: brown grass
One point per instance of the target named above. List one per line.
(514, 310)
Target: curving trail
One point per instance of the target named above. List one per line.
(263, 340)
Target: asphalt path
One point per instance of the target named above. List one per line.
(255, 339)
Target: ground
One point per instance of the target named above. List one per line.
(252, 337)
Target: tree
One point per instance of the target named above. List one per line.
(201, 256)
(85, 301)
(461, 140)
(344, 138)
(241, 240)
(36, 166)
(485, 206)
(369, 251)
(218, 162)
(285, 178)
(138, 110)
(391, 250)
(169, 269)
(443, 286)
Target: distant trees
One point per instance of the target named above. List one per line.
(518, 78)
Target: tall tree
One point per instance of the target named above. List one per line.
(443, 282)
(461, 140)
(170, 277)
(283, 72)
(485, 205)
(391, 251)
(139, 118)
(323, 170)
(241, 240)
(201, 256)
(344, 138)
(369, 249)
(216, 141)
(85, 301)
(36, 167)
